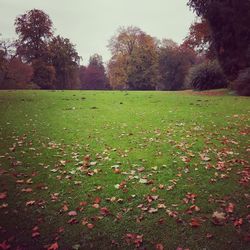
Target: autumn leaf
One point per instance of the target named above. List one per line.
(230, 208)
(72, 213)
(27, 190)
(195, 222)
(104, 211)
(90, 226)
(83, 203)
(3, 195)
(204, 157)
(4, 245)
(73, 221)
(136, 239)
(153, 210)
(30, 203)
(97, 200)
(218, 218)
(53, 246)
(238, 222)
(35, 234)
(209, 236)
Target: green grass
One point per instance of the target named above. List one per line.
(147, 134)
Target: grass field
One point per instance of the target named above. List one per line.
(124, 170)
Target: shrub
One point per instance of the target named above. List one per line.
(242, 83)
(207, 75)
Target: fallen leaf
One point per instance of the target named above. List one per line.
(238, 222)
(53, 246)
(230, 208)
(72, 213)
(195, 222)
(4, 245)
(90, 226)
(218, 218)
(104, 211)
(3, 195)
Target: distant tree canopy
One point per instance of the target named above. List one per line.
(141, 62)
(138, 61)
(54, 60)
(93, 76)
(34, 29)
(230, 31)
(64, 58)
(174, 63)
(134, 59)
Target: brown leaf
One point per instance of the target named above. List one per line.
(104, 211)
(219, 218)
(27, 190)
(30, 203)
(230, 208)
(4, 245)
(238, 222)
(209, 236)
(97, 200)
(90, 226)
(195, 222)
(72, 213)
(153, 210)
(73, 221)
(53, 246)
(136, 239)
(3, 195)
(83, 203)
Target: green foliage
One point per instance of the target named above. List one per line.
(242, 83)
(207, 75)
(44, 74)
(142, 70)
(65, 59)
(174, 62)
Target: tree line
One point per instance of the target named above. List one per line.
(38, 59)
(214, 54)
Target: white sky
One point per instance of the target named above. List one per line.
(89, 24)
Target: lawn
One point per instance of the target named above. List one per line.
(124, 170)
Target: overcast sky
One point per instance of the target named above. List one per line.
(89, 24)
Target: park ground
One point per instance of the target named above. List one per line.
(124, 170)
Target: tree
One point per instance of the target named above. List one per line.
(134, 59)
(174, 63)
(125, 40)
(200, 39)
(142, 70)
(65, 59)
(94, 75)
(230, 30)
(117, 75)
(13, 72)
(19, 74)
(34, 29)
(45, 74)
